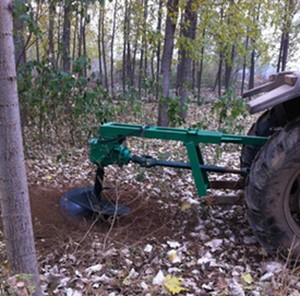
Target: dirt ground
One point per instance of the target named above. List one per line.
(148, 218)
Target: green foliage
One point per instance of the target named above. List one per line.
(23, 10)
(49, 95)
(175, 110)
(230, 109)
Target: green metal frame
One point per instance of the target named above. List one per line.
(107, 149)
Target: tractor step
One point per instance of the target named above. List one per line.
(234, 199)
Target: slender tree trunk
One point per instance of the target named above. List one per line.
(129, 69)
(143, 59)
(133, 62)
(66, 36)
(99, 48)
(285, 36)
(252, 69)
(75, 34)
(285, 50)
(125, 37)
(145, 70)
(228, 68)
(59, 41)
(158, 51)
(84, 39)
(80, 33)
(14, 197)
(37, 47)
(280, 54)
(199, 80)
(112, 85)
(51, 55)
(20, 53)
(253, 53)
(104, 49)
(166, 61)
(244, 65)
(194, 67)
(152, 67)
(218, 82)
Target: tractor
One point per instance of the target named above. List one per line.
(269, 164)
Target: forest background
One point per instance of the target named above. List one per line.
(81, 62)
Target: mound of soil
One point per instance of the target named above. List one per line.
(149, 219)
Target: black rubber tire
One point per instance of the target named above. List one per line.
(272, 193)
(265, 126)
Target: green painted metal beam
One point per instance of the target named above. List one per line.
(112, 130)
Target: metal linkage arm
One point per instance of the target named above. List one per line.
(148, 162)
(107, 149)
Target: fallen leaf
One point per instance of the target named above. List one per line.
(247, 278)
(185, 206)
(172, 284)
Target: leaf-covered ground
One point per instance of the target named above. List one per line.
(170, 243)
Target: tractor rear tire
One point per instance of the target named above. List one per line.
(272, 193)
(265, 126)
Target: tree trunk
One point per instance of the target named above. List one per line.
(252, 63)
(228, 68)
(166, 61)
(104, 49)
(280, 54)
(194, 66)
(158, 49)
(285, 36)
(145, 70)
(252, 70)
(80, 33)
(184, 70)
(14, 197)
(50, 52)
(112, 85)
(75, 34)
(20, 53)
(199, 79)
(133, 62)
(218, 82)
(84, 39)
(285, 50)
(143, 59)
(59, 41)
(127, 73)
(66, 36)
(244, 65)
(99, 48)
(129, 69)
(37, 47)
(125, 37)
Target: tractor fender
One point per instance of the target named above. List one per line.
(282, 87)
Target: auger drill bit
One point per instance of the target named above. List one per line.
(88, 203)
